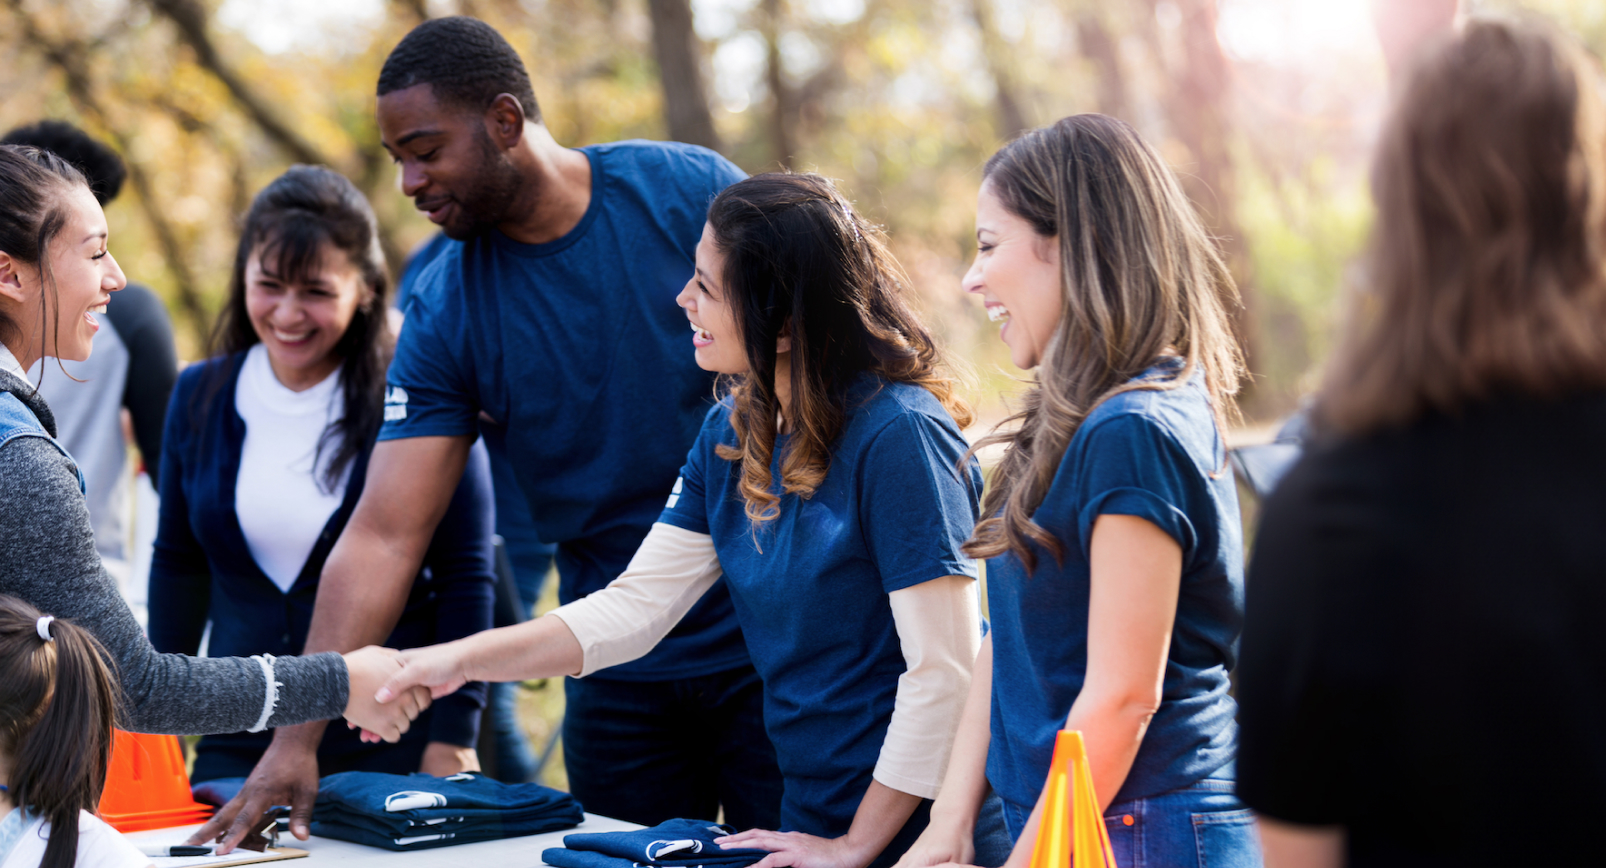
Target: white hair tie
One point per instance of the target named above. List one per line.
(43, 626)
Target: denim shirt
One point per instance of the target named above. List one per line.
(16, 420)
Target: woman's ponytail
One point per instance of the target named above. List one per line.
(58, 703)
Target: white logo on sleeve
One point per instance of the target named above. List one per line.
(395, 404)
(674, 495)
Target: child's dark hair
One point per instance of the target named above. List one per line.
(58, 703)
(290, 221)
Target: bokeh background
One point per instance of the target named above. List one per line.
(1266, 108)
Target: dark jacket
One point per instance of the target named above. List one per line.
(203, 570)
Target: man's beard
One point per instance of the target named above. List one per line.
(488, 198)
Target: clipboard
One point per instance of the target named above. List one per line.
(238, 857)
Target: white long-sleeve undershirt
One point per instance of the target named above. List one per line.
(938, 625)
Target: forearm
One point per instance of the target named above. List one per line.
(363, 589)
(543, 648)
(1113, 728)
(964, 788)
(881, 815)
(669, 573)
(939, 627)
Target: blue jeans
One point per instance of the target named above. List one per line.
(1201, 825)
(650, 751)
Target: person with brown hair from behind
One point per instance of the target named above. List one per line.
(1423, 614)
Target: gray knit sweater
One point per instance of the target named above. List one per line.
(48, 558)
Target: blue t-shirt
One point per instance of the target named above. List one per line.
(577, 349)
(1155, 455)
(811, 585)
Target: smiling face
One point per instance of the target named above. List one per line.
(715, 335)
(84, 275)
(1017, 274)
(450, 165)
(302, 321)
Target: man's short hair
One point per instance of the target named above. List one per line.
(99, 163)
(464, 60)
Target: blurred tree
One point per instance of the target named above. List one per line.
(680, 73)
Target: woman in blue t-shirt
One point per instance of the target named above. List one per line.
(831, 488)
(1115, 563)
(264, 458)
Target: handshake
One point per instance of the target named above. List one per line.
(390, 688)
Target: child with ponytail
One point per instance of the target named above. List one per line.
(58, 701)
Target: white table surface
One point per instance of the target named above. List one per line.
(522, 852)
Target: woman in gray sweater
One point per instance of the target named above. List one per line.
(55, 271)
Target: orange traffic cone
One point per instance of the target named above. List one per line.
(146, 787)
(1073, 826)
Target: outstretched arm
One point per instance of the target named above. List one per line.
(669, 573)
(361, 596)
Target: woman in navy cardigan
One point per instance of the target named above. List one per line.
(266, 450)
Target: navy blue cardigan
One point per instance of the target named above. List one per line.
(202, 568)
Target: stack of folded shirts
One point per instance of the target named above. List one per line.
(418, 811)
(672, 844)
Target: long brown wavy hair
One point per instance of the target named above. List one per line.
(1141, 280)
(1486, 272)
(799, 258)
(58, 703)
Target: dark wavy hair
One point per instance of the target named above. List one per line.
(58, 704)
(33, 188)
(798, 258)
(290, 221)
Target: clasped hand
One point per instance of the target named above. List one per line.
(370, 668)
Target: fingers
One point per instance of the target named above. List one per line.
(214, 828)
(758, 839)
(306, 794)
(246, 821)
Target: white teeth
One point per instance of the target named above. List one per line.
(99, 308)
(997, 313)
(701, 332)
(290, 338)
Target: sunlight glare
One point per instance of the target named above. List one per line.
(1282, 31)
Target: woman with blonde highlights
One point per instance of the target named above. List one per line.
(1424, 615)
(831, 488)
(1114, 550)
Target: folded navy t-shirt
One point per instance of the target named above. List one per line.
(671, 844)
(419, 811)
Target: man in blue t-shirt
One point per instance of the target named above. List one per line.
(555, 321)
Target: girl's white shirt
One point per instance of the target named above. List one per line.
(99, 845)
(278, 496)
(939, 630)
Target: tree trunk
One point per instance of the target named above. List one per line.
(783, 111)
(680, 71)
(1011, 116)
(1200, 116)
(1101, 49)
